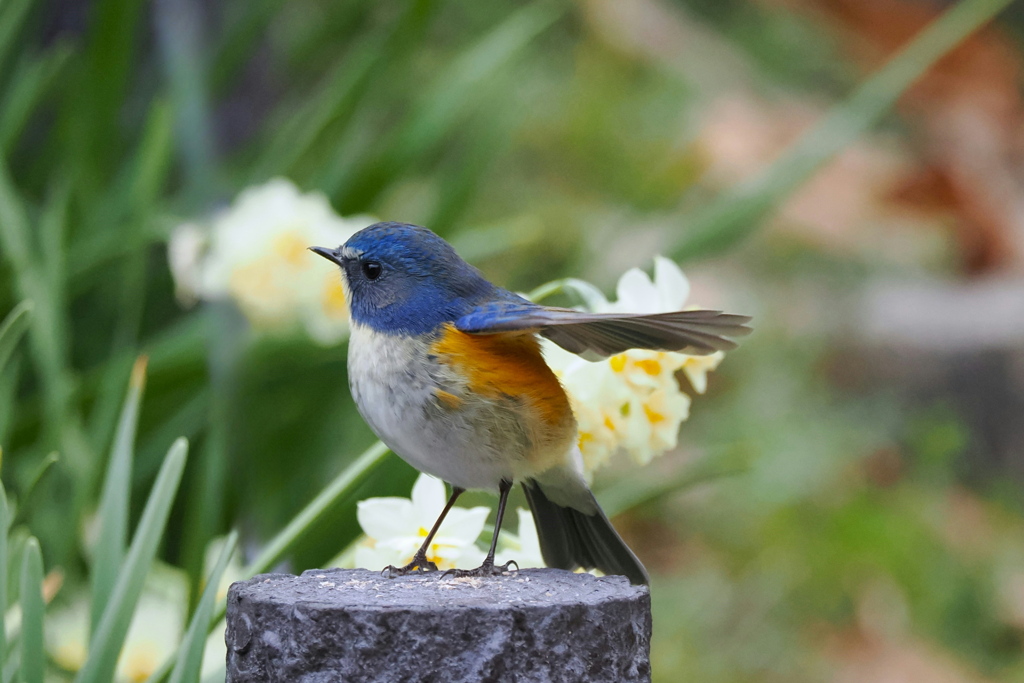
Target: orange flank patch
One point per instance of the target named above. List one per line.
(449, 401)
(506, 365)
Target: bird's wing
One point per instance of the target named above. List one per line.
(599, 335)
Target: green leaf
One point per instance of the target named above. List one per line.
(139, 181)
(341, 486)
(108, 638)
(11, 667)
(5, 524)
(12, 15)
(457, 86)
(52, 230)
(153, 160)
(114, 501)
(37, 476)
(48, 332)
(33, 79)
(190, 654)
(238, 42)
(336, 100)
(185, 74)
(455, 91)
(33, 656)
(737, 212)
(12, 328)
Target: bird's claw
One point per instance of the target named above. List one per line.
(419, 565)
(486, 569)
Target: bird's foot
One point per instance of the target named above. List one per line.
(419, 565)
(488, 568)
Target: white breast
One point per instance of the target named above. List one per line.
(394, 381)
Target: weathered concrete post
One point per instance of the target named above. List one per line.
(352, 626)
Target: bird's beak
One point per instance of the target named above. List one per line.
(333, 255)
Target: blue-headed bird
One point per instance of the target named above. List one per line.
(447, 369)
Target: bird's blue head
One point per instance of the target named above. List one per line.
(404, 279)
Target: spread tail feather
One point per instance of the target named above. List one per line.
(570, 538)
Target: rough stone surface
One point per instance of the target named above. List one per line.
(355, 625)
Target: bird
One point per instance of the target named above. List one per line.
(447, 369)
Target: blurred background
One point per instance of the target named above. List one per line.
(845, 502)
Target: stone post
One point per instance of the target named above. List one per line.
(351, 626)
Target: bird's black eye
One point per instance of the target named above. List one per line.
(372, 269)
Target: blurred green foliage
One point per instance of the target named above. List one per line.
(520, 133)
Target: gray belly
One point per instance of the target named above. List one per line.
(394, 382)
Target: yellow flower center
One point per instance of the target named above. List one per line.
(291, 247)
(651, 366)
(652, 415)
(334, 298)
(71, 655)
(618, 362)
(140, 662)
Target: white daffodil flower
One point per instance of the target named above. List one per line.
(255, 254)
(637, 293)
(632, 401)
(396, 527)
(522, 547)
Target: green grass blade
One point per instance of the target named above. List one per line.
(5, 524)
(33, 483)
(178, 32)
(11, 667)
(342, 485)
(114, 501)
(52, 230)
(153, 160)
(238, 42)
(30, 83)
(342, 91)
(14, 225)
(190, 654)
(113, 627)
(736, 213)
(48, 329)
(100, 90)
(456, 90)
(139, 181)
(12, 16)
(476, 66)
(33, 656)
(12, 329)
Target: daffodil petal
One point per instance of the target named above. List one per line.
(383, 518)
(428, 499)
(672, 285)
(465, 524)
(636, 293)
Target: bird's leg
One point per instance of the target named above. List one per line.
(488, 568)
(420, 563)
